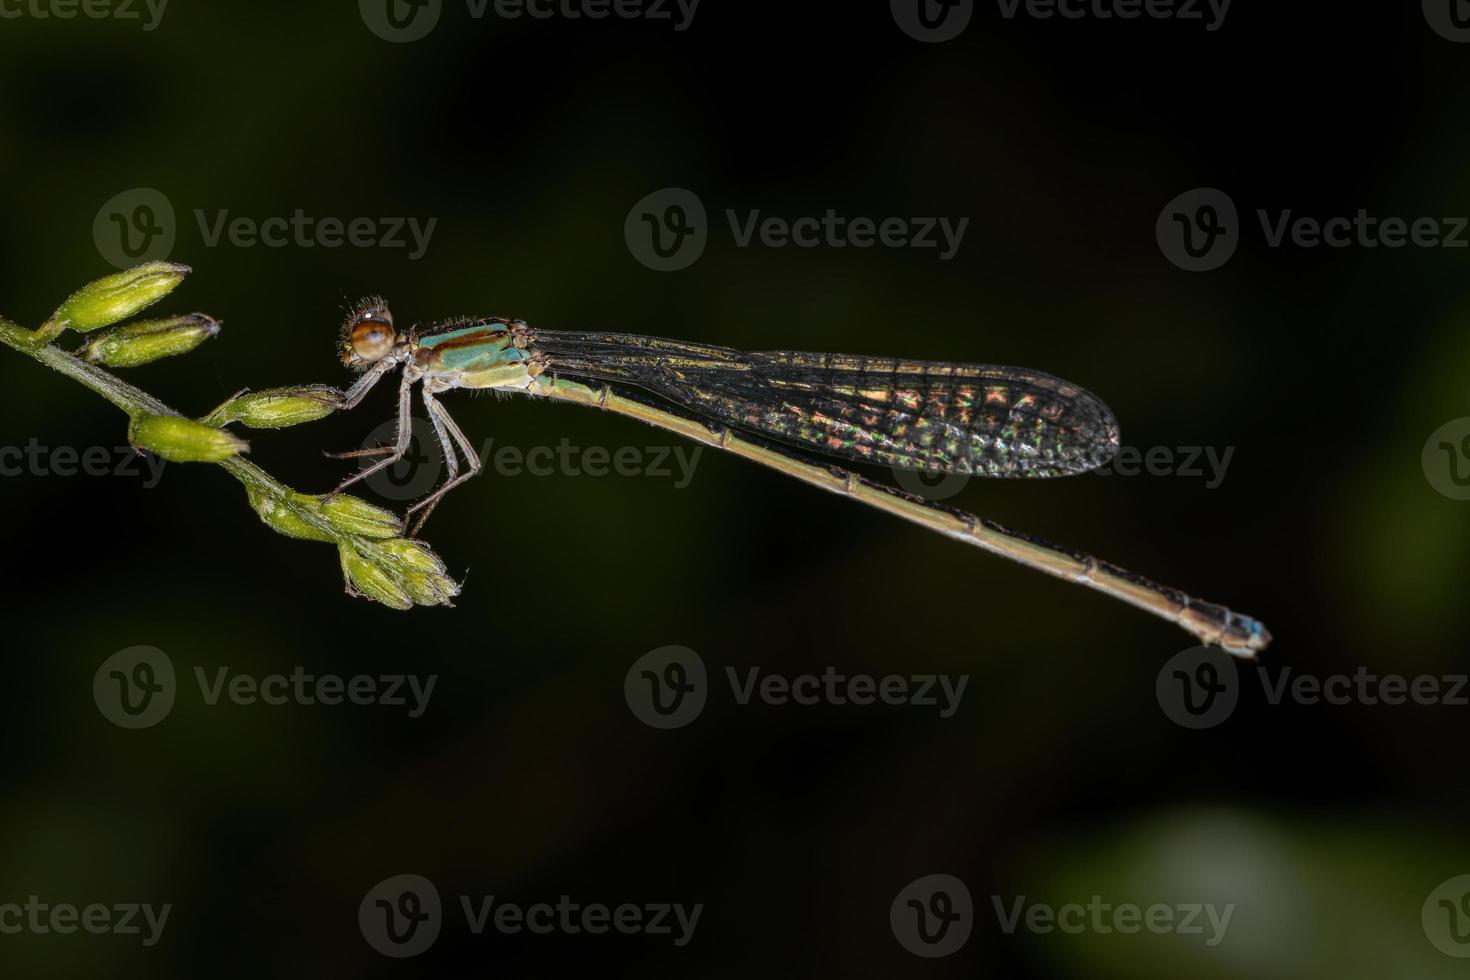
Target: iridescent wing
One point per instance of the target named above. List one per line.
(918, 415)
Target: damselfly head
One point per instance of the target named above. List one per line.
(368, 335)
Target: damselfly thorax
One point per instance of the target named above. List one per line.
(769, 406)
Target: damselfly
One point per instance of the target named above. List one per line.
(928, 416)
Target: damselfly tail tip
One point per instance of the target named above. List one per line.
(1246, 637)
(1238, 635)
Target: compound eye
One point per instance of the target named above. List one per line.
(373, 336)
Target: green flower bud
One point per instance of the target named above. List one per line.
(182, 440)
(148, 340)
(423, 573)
(278, 408)
(117, 297)
(284, 519)
(414, 554)
(353, 515)
(365, 577)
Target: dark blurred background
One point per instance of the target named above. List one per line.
(1332, 374)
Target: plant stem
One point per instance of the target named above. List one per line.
(134, 401)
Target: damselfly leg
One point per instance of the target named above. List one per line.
(445, 429)
(400, 444)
